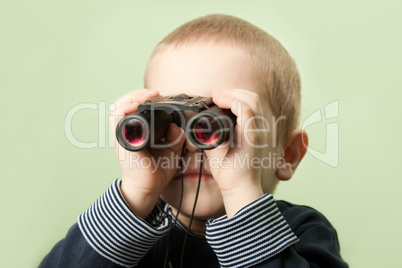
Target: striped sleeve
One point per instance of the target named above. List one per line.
(112, 230)
(256, 233)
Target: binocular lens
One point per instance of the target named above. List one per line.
(206, 130)
(135, 132)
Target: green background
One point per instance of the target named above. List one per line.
(57, 54)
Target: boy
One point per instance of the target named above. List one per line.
(236, 222)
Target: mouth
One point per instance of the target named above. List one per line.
(194, 174)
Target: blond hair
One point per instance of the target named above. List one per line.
(277, 70)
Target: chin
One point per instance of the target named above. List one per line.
(205, 209)
(209, 202)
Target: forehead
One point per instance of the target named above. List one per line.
(200, 68)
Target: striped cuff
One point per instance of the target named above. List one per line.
(256, 233)
(112, 229)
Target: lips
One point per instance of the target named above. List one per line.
(194, 174)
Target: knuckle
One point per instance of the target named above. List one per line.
(255, 100)
(247, 112)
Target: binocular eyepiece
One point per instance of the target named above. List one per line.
(207, 129)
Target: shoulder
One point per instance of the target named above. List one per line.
(301, 218)
(318, 239)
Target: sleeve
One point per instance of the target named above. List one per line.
(260, 236)
(256, 233)
(109, 234)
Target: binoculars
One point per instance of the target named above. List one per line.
(207, 129)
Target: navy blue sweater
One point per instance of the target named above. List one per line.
(266, 233)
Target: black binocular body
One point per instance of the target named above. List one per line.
(207, 129)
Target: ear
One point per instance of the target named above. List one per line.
(295, 149)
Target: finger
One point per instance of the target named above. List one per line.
(250, 98)
(128, 104)
(236, 101)
(239, 108)
(248, 131)
(174, 140)
(133, 95)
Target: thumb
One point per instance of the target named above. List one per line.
(174, 140)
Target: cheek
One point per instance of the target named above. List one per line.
(171, 194)
(272, 161)
(268, 180)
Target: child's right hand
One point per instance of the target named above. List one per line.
(142, 180)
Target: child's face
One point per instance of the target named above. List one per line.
(202, 68)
